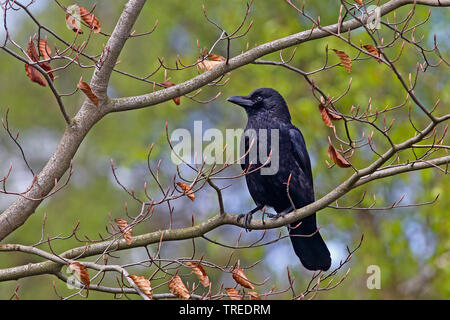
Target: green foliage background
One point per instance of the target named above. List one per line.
(411, 245)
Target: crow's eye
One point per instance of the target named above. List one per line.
(259, 98)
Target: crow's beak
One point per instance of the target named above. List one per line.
(243, 101)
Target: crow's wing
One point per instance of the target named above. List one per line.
(302, 158)
(311, 250)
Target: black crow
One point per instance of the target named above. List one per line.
(266, 109)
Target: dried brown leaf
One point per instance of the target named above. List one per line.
(345, 59)
(126, 231)
(143, 284)
(337, 157)
(44, 49)
(333, 116)
(90, 19)
(254, 295)
(168, 84)
(233, 294)
(31, 51)
(178, 288)
(82, 273)
(373, 51)
(86, 88)
(325, 117)
(32, 72)
(34, 75)
(240, 277)
(187, 190)
(47, 68)
(73, 23)
(211, 61)
(216, 57)
(198, 270)
(328, 116)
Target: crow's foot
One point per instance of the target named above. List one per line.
(248, 216)
(280, 214)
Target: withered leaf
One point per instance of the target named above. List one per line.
(90, 19)
(126, 231)
(333, 116)
(143, 284)
(31, 71)
(178, 288)
(44, 49)
(328, 116)
(198, 270)
(373, 51)
(86, 88)
(345, 59)
(72, 19)
(168, 84)
(34, 75)
(337, 157)
(211, 61)
(216, 57)
(240, 277)
(31, 51)
(233, 294)
(46, 66)
(254, 295)
(187, 190)
(81, 272)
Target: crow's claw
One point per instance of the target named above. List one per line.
(247, 219)
(280, 214)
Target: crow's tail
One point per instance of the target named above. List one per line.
(312, 251)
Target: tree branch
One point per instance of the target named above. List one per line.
(141, 101)
(54, 264)
(14, 216)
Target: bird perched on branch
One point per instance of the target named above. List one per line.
(288, 184)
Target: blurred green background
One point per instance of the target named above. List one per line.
(410, 245)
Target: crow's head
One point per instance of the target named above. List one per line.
(263, 101)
